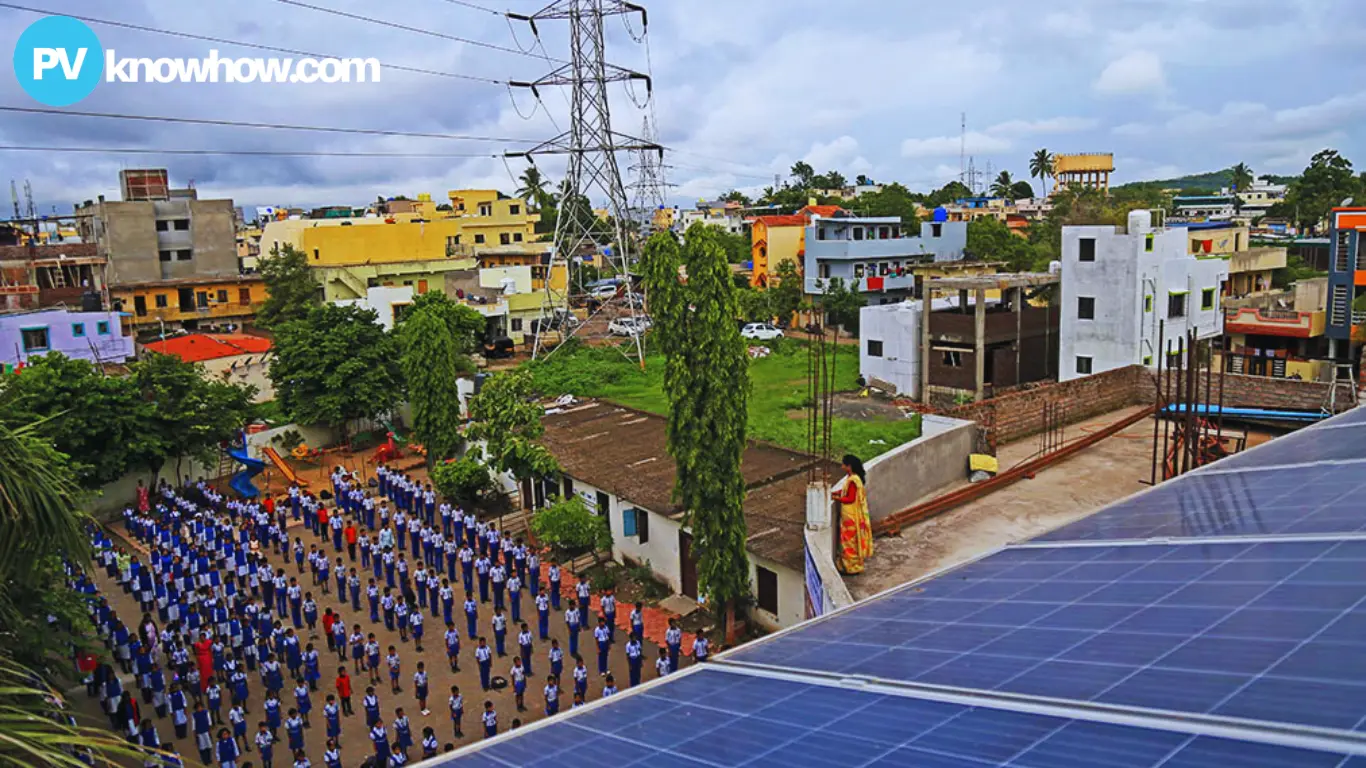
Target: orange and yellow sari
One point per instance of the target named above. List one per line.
(856, 531)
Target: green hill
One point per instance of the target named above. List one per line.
(1211, 181)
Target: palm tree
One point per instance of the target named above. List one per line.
(1041, 167)
(533, 187)
(1001, 186)
(1240, 177)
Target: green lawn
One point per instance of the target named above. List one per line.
(777, 412)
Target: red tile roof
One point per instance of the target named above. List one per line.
(787, 220)
(822, 210)
(198, 347)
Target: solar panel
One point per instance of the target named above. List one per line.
(719, 717)
(1313, 499)
(1268, 631)
(1343, 442)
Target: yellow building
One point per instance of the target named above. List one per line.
(195, 303)
(1250, 270)
(1089, 170)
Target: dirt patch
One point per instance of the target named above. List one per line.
(850, 405)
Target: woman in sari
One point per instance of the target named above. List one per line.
(856, 531)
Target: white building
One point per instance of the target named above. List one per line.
(615, 459)
(1118, 286)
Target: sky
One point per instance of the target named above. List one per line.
(742, 90)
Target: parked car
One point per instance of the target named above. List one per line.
(604, 291)
(761, 331)
(629, 326)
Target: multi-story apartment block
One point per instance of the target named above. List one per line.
(872, 254)
(1346, 324)
(1120, 289)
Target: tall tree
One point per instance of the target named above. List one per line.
(892, 200)
(1021, 190)
(1325, 183)
(506, 417)
(786, 292)
(532, 188)
(291, 290)
(841, 304)
(192, 414)
(736, 196)
(334, 366)
(706, 379)
(803, 173)
(862, 180)
(1041, 167)
(1240, 177)
(835, 180)
(1003, 185)
(434, 359)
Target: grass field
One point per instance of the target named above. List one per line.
(777, 402)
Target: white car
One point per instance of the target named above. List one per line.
(629, 326)
(761, 331)
(604, 292)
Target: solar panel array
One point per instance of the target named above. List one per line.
(1216, 620)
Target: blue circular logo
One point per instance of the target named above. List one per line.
(58, 60)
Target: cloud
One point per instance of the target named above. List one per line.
(974, 143)
(1136, 72)
(1045, 125)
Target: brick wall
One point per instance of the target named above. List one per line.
(1259, 392)
(70, 250)
(1020, 414)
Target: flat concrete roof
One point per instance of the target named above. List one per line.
(988, 282)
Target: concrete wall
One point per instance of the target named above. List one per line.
(821, 547)
(315, 436)
(897, 327)
(127, 233)
(251, 369)
(915, 470)
(109, 347)
(791, 595)
(109, 501)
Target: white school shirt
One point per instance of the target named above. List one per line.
(673, 636)
(456, 704)
(542, 602)
(483, 653)
(601, 634)
(662, 666)
(490, 719)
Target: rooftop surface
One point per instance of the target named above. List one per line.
(1213, 620)
(199, 347)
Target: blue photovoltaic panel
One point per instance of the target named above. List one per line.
(1355, 416)
(713, 717)
(1313, 499)
(1266, 631)
(1341, 443)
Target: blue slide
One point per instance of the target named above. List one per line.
(241, 482)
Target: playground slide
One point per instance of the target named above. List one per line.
(241, 482)
(283, 466)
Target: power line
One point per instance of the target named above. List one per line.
(242, 152)
(475, 6)
(404, 27)
(277, 126)
(243, 44)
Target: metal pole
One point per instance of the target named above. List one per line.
(1178, 463)
(1166, 421)
(1188, 460)
(1223, 359)
(1158, 396)
(1209, 384)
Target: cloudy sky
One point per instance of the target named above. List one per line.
(743, 88)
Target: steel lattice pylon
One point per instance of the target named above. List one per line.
(591, 146)
(648, 188)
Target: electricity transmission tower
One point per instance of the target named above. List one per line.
(591, 146)
(649, 185)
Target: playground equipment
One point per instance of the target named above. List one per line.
(389, 451)
(241, 482)
(287, 471)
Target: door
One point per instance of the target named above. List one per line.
(186, 299)
(687, 566)
(140, 305)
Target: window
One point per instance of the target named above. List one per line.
(202, 299)
(485, 209)
(163, 226)
(479, 239)
(874, 348)
(628, 521)
(1147, 359)
(516, 323)
(102, 328)
(223, 297)
(568, 487)
(936, 229)
(77, 330)
(165, 255)
(1148, 243)
(1083, 364)
(515, 210)
(604, 502)
(184, 255)
(181, 225)
(504, 238)
(1148, 302)
(516, 237)
(858, 233)
(243, 295)
(1176, 304)
(768, 588)
(161, 301)
(1087, 251)
(1086, 308)
(140, 305)
(34, 339)
(953, 358)
(1207, 298)
(643, 526)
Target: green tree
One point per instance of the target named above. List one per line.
(435, 356)
(755, 306)
(1021, 190)
(569, 527)
(842, 305)
(533, 189)
(893, 200)
(1240, 177)
(508, 420)
(862, 180)
(1003, 185)
(335, 365)
(1325, 183)
(1041, 167)
(992, 240)
(954, 190)
(192, 415)
(464, 480)
(736, 196)
(94, 419)
(706, 380)
(291, 290)
(803, 173)
(786, 294)
(737, 246)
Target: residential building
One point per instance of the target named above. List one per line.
(976, 345)
(617, 460)
(234, 357)
(1258, 198)
(65, 274)
(871, 254)
(1089, 170)
(1122, 288)
(780, 238)
(973, 208)
(248, 249)
(719, 213)
(100, 337)
(1197, 208)
(192, 303)
(1251, 270)
(1346, 323)
(1279, 335)
(1033, 208)
(851, 192)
